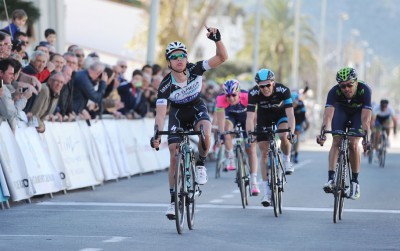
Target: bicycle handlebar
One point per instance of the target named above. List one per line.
(179, 131)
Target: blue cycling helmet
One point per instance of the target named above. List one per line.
(263, 75)
(295, 96)
(231, 86)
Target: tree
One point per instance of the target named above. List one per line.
(276, 41)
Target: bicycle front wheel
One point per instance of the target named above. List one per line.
(193, 193)
(218, 164)
(280, 183)
(240, 177)
(382, 151)
(338, 189)
(180, 193)
(273, 183)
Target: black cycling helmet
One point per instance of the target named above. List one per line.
(263, 75)
(384, 102)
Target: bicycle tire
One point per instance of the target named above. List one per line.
(338, 189)
(280, 183)
(347, 184)
(239, 176)
(273, 183)
(218, 165)
(371, 151)
(193, 189)
(180, 196)
(382, 150)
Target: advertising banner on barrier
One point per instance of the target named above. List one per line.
(129, 144)
(43, 175)
(114, 128)
(103, 146)
(162, 155)
(147, 157)
(90, 146)
(51, 147)
(4, 193)
(13, 165)
(75, 155)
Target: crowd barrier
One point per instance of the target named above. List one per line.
(72, 155)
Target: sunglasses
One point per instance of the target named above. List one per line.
(231, 95)
(263, 86)
(124, 66)
(176, 56)
(80, 55)
(349, 85)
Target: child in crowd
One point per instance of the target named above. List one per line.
(19, 18)
(50, 36)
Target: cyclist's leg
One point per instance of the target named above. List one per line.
(229, 156)
(354, 155)
(264, 148)
(285, 145)
(297, 131)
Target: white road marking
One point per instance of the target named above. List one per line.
(90, 249)
(216, 201)
(301, 164)
(308, 209)
(227, 196)
(65, 236)
(115, 239)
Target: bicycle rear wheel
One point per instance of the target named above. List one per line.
(273, 183)
(338, 189)
(218, 165)
(180, 193)
(193, 193)
(240, 176)
(382, 151)
(371, 151)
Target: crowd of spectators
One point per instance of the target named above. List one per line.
(46, 84)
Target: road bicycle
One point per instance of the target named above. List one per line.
(220, 161)
(342, 180)
(186, 188)
(382, 142)
(277, 176)
(242, 167)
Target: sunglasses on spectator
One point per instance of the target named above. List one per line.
(123, 66)
(263, 86)
(80, 55)
(349, 85)
(231, 95)
(176, 56)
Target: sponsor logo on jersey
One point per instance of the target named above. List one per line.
(173, 128)
(165, 87)
(254, 92)
(187, 93)
(281, 89)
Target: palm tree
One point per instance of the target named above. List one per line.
(276, 40)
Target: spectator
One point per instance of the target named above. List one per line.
(80, 55)
(112, 101)
(71, 60)
(157, 70)
(147, 69)
(19, 18)
(5, 45)
(47, 99)
(43, 48)
(58, 61)
(71, 48)
(23, 37)
(8, 110)
(19, 47)
(84, 82)
(132, 96)
(64, 107)
(50, 36)
(152, 92)
(39, 66)
(124, 66)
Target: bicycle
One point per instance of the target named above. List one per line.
(219, 161)
(382, 142)
(342, 180)
(186, 188)
(242, 167)
(371, 152)
(277, 175)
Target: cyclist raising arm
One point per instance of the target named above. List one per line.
(231, 110)
(274, 104)
(349, 100)
(181, 89)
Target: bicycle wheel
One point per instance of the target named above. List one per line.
(240, 177)
(280, 183)
(273, 182)
(193, 193)
(382, 150)
(338, 189)
(180, 195)
(218, 165)
(346, 191)
(371, 151)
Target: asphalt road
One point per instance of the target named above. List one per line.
(128, 214)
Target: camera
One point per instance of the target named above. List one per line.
(23, 89)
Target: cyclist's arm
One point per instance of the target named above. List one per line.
(327, 118)
(291, 120)
(365, 119)
(250, 120)
(161, 111)
(221, 119)
(221, 55)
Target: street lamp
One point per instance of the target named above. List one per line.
(342, 17)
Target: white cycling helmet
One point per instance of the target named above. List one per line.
(174, 46)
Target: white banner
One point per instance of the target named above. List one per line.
(103, 146)
(147, 156)
(75, 155)
(4, 193)
(13, 165)
(43, 175)
(129, 143)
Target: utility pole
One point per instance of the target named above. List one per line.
(152, 36)
(256, 38)
(321, 53)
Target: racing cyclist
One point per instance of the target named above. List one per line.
(349, 100)
(381, 117)
(231, 110)
(181, 89)
(274, 104)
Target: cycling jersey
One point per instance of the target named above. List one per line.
(186, 93)
(299, 112)
(234, 113)
(270, 109)
(360, 100)
(382, 117)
